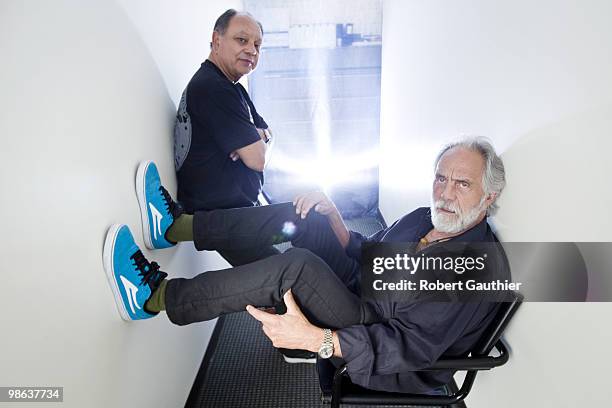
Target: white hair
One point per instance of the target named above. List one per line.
(494, 174)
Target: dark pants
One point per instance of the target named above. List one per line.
(242, 257)
(323, 279)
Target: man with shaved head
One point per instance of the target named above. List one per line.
(221, 141)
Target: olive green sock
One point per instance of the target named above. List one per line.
(181, 229)
(157, 301)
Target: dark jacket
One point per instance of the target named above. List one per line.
(413, 335)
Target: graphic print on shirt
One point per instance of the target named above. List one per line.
(182, 133)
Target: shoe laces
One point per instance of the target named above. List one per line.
(151, 275)
(172, 206)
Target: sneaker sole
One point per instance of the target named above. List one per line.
(107, 255)
(142, 202)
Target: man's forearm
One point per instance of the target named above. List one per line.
(266, 137)
(315, 341)
(269, 142)
(337, 225)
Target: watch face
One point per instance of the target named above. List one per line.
(326, 352)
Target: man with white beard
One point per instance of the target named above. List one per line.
(466, 185)
(384, 343)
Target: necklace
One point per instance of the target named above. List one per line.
(424, 242)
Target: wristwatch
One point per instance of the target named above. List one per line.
(267, 136)
(327, 347)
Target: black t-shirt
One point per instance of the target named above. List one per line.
(215, 117)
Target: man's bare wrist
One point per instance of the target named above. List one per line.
(335, 216)
(318, 338)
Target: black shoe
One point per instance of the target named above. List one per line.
(298, 356)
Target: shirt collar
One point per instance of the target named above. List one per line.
(218, 70)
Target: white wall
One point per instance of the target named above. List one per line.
(536, 78)
(82, 102)
(177, 33)
(88, 91)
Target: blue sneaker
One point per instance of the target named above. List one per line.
(157, 209)
(131, 277)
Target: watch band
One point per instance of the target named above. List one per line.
(328, 337)
(327, 347)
